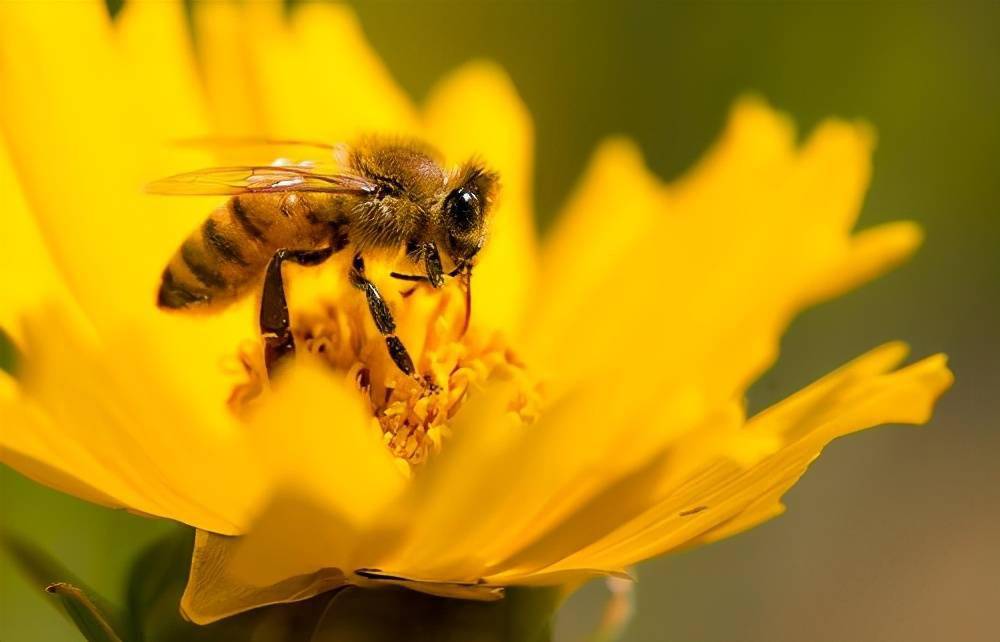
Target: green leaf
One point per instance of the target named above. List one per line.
(156, 581)
(76, 598)
(390, 614)
(47, 572)
(85, 614)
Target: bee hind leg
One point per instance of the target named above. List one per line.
(275, 324)
(382, 316)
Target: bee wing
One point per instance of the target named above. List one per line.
(253, 143)
(260, 179)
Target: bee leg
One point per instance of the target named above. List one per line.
(381, 315)
(275, 325)
(428, 254)
(432, 263)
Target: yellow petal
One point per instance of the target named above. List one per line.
(122, 430)
(211, 594)
(665, 474)
(232, 86)
(618, 495)
(469, 591)
(314, 435)
(157, 64)
(614, 205)
(450, 497)
(23, 447)
(331, 474)
(324, 81)
(30, 276)
(77, 136)
(52, 134)
(312, 77)
(871, 253)
(755, 232)
(476, 471)
(726, 498)
(112, 250)
(476, 113)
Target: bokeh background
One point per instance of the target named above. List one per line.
(894, 534)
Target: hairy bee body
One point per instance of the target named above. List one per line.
(225, 257)
(385, 196)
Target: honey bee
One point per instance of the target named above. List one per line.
(383, 196)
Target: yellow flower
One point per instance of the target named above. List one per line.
(591, 417)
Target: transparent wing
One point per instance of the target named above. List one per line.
(253, 143)
(260, 179)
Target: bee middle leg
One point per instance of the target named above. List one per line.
(381, 315)
(275, 324)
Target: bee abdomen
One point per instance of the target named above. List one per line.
(175, 295)
(218, 262)
(242, 217)
(224, 246)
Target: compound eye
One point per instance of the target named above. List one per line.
(462, 207)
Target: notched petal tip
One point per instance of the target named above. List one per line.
(476, 109)
(870, 254)
(930, 378)
(756, 123)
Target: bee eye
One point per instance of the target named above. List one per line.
(462, 209)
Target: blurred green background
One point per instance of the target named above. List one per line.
(894, 535)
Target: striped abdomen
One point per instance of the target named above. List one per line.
(226, 256)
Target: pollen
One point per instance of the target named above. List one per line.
(414, 413)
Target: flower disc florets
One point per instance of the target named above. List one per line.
(413, 413)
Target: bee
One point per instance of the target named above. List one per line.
(383, 196)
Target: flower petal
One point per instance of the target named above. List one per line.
(112, 145)
(476, 472)
(615, 204)
(122, 430)
(212, 594)
(725, 497)
(754, 233)
(334, 87)
(313, 77)
(23, 447)
(50, 133)
(313, 435)
(476, 113)
(83, 163)
(871, 253)
(224, 38)
(31, 277)
(618, 494)
(331, 474)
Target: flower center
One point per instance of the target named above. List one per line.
(452, 361)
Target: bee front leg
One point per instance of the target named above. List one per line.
(432, 263)
(275, 324)
(381, 315)
(426, 253)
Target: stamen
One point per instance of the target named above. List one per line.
(415, 412)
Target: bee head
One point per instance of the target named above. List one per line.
(464, 212)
